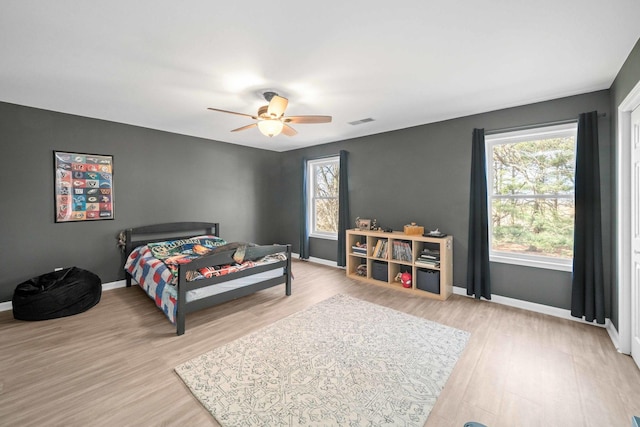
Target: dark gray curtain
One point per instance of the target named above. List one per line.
(343, 209)
(587, 287)
(478, 277)
(304, 228)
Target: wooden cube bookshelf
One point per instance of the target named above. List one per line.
(402, 254)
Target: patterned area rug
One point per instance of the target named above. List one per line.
(343, 361)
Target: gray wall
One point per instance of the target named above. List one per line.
(626, 80)
(421, 174)
(158, 177)
(418, 174)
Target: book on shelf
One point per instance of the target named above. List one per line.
(360, 250)
(432, 252)
(402, 251)
(425, 263)
(427, 260)
(382, 251)
(376, 249)
(405, 251)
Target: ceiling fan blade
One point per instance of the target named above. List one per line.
(307, 119)
(288, 130)
(232, 112)
(252, 125)
(277, 105)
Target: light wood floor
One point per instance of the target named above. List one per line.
(113, 365)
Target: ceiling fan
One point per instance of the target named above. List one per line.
(271, 119)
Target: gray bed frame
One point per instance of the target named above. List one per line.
(180, 230)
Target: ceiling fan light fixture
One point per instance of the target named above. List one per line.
(271, 120)
(270, 127)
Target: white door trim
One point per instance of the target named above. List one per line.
(623, 164)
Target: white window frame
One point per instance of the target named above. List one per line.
(510, 137)
(311, 217)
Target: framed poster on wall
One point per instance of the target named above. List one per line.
(83, 186)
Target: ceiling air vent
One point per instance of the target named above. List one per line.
(361, 121)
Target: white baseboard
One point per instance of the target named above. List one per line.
(114, 285)
(7, 306)
(613, 334)
(317, 260)
(512, 302)
(535, 307)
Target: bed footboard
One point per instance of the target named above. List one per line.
(184, 307)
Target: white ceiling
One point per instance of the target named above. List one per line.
(159, 64)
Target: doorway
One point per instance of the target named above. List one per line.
(628, 163)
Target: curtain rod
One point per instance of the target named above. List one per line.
(537, 125)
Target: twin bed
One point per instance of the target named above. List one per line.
(186, 267)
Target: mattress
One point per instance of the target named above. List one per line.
(233, 284)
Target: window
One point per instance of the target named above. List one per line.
(530, 187)
(323, 180)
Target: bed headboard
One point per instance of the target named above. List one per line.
(170, 230)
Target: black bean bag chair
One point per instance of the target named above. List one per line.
(60, 293)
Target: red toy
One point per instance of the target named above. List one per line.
(405, 278)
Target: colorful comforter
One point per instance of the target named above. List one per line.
(155, 267)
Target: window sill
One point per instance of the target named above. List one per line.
(549, 264)
(324, 236)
